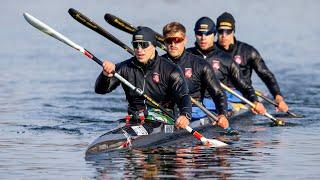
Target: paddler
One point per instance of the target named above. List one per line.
(247, 57)
(227, 71)
(198, 73)
(158, 77)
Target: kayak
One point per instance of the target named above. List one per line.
(151, 132)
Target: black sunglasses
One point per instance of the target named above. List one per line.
(141, 44)
(200, 33)
(227, 31)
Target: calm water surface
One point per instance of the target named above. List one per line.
(49, 112)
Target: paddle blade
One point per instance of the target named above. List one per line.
(50, 31)
(278, 122)
(120, 24)
(294, 115)
(214, 143)
(287, 115)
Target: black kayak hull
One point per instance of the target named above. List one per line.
(147, 135)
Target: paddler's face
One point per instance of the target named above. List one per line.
(175, 43)
(204, 40)
(225, 37)
(144, 51)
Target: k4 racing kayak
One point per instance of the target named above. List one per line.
(156, 129)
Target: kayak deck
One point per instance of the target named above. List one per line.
(150, 133)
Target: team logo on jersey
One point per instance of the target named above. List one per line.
(215, 64)
(237, 59)
(156, 77)
(187, 72)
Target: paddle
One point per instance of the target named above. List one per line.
(48, 30)
(127, 27)
(276, 121)
(258, 93)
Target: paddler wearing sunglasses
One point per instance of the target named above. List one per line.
(158, 77)
(199, 75)
(227, 71)
(247, 57)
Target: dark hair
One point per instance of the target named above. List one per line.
(173, 27)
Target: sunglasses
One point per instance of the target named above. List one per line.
(141, 44)
(176, 40)
(227, 31)
(200, 33)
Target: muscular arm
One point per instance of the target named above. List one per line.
(245, 88)
(264, 73)
(215, 90)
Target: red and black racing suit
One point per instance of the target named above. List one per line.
(160, 79)
(227, 71)
(200, 77)
(249, 59)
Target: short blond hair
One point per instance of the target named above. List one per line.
(173, 27)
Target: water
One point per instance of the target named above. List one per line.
(49, 111)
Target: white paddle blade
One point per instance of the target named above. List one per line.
(50, 31)
(214, 143)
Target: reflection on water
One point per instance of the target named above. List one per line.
(183, 162)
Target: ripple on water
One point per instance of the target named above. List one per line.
(57, 129)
